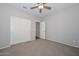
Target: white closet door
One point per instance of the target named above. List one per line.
(42, 30)
(20, 30)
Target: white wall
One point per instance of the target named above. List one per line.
(63, 26)
(20, 30)
(5, 13)
(42, 29)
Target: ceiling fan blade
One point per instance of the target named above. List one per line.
(40, 10)
(24, 7)
(47, 7)
(34, 7)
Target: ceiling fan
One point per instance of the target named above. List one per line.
(41, 6)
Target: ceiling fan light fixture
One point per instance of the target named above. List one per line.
(41, 7)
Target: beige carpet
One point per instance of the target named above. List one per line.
(40, 48)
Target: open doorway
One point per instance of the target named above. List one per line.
(40, 30)
(37, 30)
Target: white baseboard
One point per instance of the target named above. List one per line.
(5, 47)
(21, 42)
(43, 38)
(65, 44)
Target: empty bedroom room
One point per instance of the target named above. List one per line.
(39, 29)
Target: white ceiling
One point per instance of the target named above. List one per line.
(35, 12)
